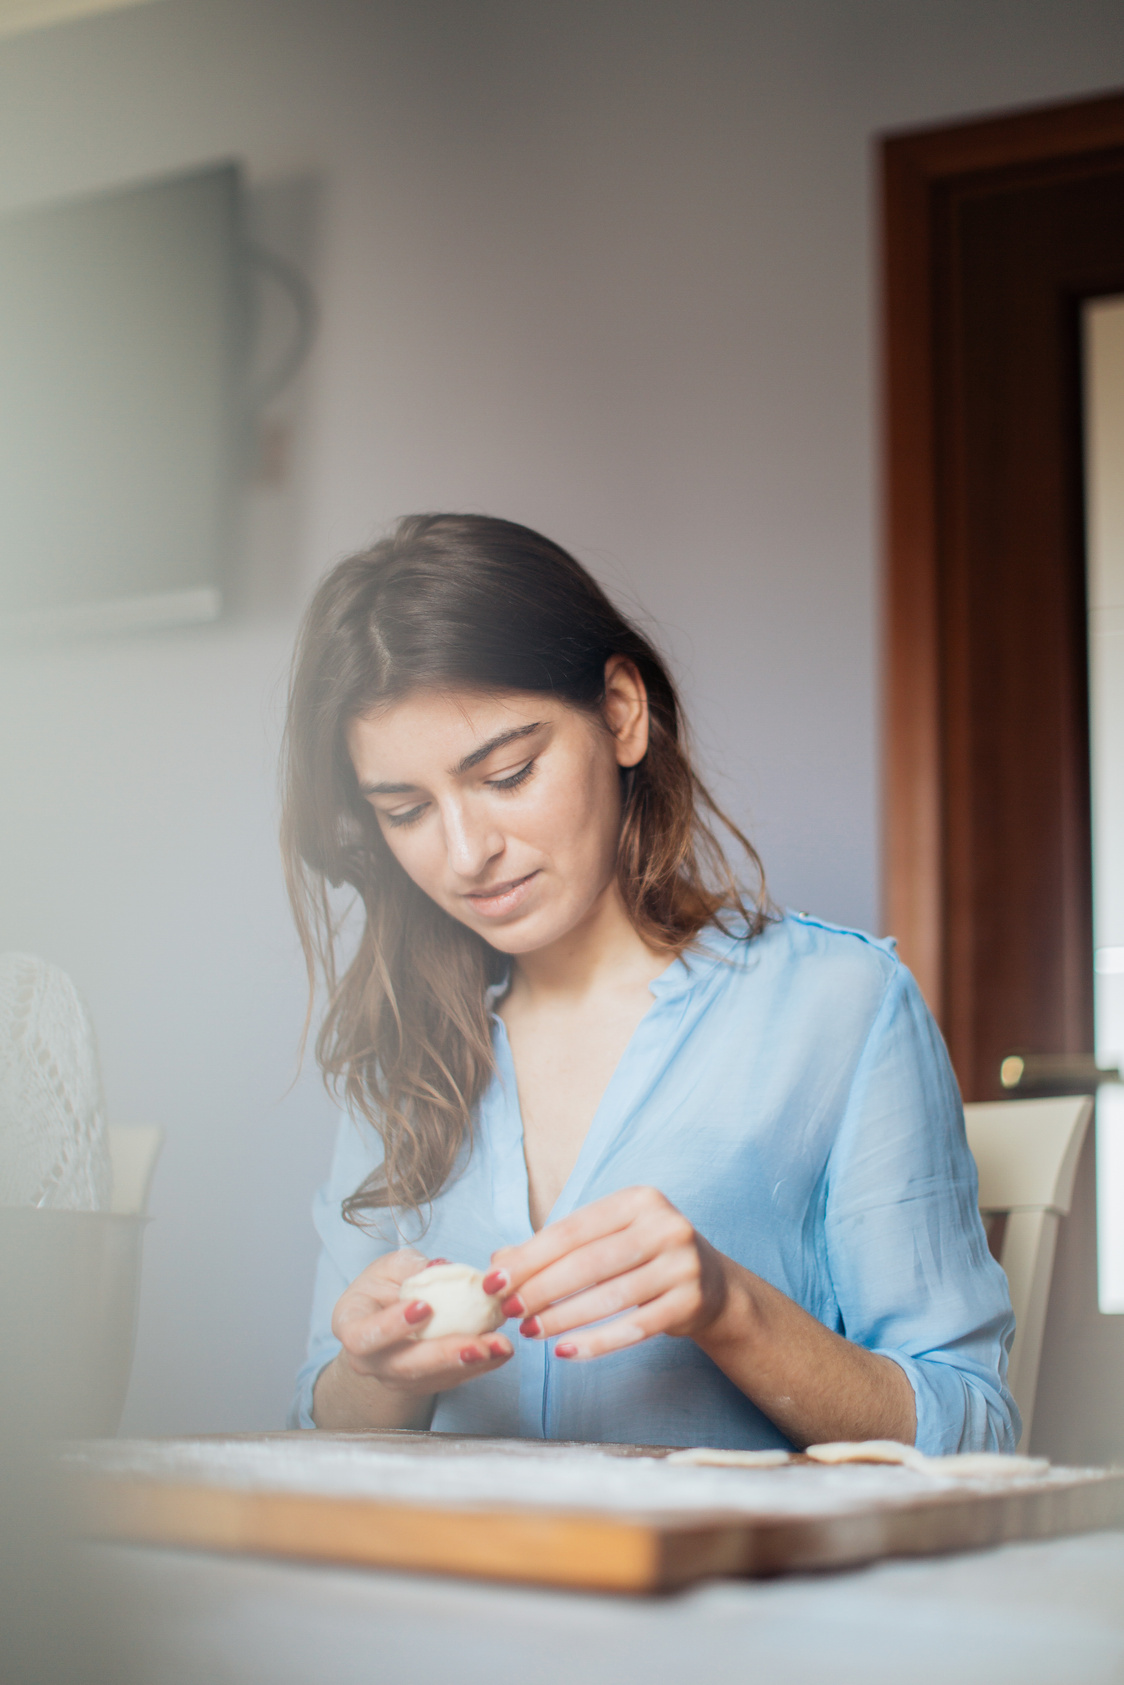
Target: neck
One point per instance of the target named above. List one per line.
(605, 949)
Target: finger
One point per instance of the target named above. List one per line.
(629, 1330)
(513, 1265)
(587, 1266)
(382, 1278)
(364, 1329)
(444, 1363)
(608, 1298)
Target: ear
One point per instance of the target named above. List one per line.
(625, 710)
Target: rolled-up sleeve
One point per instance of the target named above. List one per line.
(908, 1256)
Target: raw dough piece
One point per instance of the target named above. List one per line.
(709, 1456)
(967, 1465)
(460, 1304)
(868, 1451)
(986, 1465)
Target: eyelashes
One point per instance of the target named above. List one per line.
(397, 820)
(516, 778)
(394, 820)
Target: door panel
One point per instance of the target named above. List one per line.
(994, 233)
(987, 716)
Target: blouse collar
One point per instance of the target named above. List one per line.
(712, 947)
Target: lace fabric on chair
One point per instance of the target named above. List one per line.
(53, 1146)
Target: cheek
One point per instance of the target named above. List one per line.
(419, 855)
(579, 814)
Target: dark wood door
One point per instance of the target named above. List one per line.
(995, 233)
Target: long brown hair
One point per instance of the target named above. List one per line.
(471, 602)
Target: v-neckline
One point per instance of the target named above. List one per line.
(612, 1112)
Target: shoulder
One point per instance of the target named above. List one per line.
(816, 952)
(801, 938)
(801, 970)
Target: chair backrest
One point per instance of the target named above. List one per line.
(133, 1153)
(1026, 1152)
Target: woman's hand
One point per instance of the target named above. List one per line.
(384, 1376)
(631, 1251)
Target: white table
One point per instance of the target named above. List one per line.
(1032, 1614)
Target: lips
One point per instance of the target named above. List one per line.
(500, 898)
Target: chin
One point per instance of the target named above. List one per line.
(526, 935)
(514, 941)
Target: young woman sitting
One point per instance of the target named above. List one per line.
(712, 1158)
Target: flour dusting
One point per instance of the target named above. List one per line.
(521, 1474)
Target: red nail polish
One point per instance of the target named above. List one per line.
(417, 1311)
(567, 1350)
(513, 1306)
(530, 1327)
(470, 1356)
(496, 1349)
(495, 1281)
(433, 1262)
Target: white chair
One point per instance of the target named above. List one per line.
(133, 1153)
(1026, 1152)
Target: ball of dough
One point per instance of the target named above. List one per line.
(460, 1304)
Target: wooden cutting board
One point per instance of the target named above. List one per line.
(611, 1549)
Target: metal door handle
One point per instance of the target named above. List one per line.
(1055, 1073)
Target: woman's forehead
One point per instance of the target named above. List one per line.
(441, 727)
(453, 709)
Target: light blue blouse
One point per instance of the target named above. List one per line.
(792, 1097)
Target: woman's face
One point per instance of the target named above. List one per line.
(505, 809)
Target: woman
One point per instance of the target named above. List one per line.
(713, 1158)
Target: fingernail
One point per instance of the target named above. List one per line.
(513, 1306)
(470, 1356)
(417, 1311)
(530, 1327)
(568, 1350)
(496, 1349)
(495, 1281)
(433, 1263)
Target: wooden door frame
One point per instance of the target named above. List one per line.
(917, 891)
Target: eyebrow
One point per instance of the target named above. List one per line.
(500, 741)
(493, 743)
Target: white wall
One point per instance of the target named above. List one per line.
(604, 267)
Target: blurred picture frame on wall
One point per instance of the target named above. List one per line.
(123, 334)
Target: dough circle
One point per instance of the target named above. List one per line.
(456, 1294)
(987, 1465)
(868, 1451)
(711, 1457)
(965, 1465)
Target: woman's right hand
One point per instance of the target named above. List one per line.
(383, 1372)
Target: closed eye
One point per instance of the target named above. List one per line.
(513, 780)
(410, 817)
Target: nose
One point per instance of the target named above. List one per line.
(471, 840)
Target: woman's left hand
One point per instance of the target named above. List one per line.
(631, 1251)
